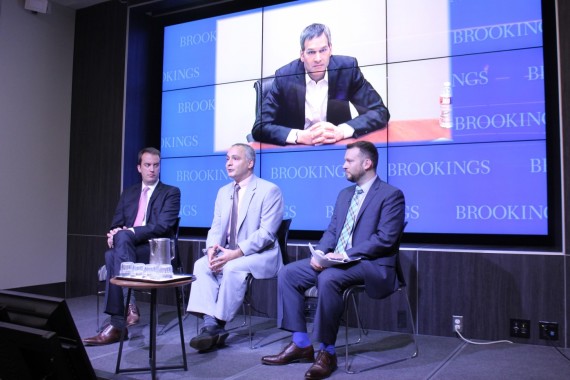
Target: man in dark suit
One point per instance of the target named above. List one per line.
(309, 101)
(364, 227)
(145, 211)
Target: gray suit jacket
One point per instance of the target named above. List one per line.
(260, 214)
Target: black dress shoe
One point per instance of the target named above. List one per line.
(133, 315)
(108, 335)
(291, 354)
(323, 367)
(209, 337)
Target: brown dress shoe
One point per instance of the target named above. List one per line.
(133, 315)
(291, 354)
(323, 367)
(108, 335)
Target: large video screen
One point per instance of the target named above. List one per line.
(484, 172)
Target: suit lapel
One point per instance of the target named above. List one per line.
(245, 202)
(155, 194)
(301, 85)
(133, 202)
(333, 78)
(226, 211)
(344, 205)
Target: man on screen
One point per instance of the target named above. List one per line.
(145, 211)
(242, 241)
(365, 225)
(309, 101)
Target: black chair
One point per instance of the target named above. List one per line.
(177, 267)
(262, 87)
(282, 236)
(349, 296)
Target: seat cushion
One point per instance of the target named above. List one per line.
(312, 292)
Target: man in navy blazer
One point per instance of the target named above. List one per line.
(128, 237)
(378, 215)
(309, 100)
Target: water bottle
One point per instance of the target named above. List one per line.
(445, 112)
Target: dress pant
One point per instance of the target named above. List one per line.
(219, 295)
(124, 250)
(295, 278)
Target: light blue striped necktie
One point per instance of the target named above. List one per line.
(349, 222)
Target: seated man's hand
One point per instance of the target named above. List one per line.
(335, 256)
(218, 261)
(316, 266)
(324, 132)
(112, 233)
(211, 252)
(305, 137)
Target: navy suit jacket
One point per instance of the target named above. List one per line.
(162, 212)
(376, 231)
(283, 107)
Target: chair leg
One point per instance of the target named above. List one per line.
(347, 368)
(98, 328)
(249, 327)
(416, 349)
(361, 329)
(166, 328)
(100, 293)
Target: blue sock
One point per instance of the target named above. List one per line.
(301, 339)
(328, 348)
(209, 321)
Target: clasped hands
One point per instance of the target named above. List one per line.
(218, 256)
(112, 233)
(320, 133)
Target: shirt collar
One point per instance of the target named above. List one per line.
(366, 186)
(150, 187)
(325, 79)
(243, 184)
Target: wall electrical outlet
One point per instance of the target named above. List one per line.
(548, 330)
(520, 328)
(457, 323)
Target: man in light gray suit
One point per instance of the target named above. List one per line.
(242, 240)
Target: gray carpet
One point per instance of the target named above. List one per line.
(438, 358)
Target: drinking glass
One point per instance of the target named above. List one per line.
(151, 271)
(138, 270)
(126, 269)
(165, 271)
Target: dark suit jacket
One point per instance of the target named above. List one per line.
(163, 209)
(284, 106)
(376, 231)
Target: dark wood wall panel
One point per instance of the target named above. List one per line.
(96, 118)
(488, 289)
(85, 255)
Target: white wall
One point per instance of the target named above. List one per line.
(36, 59)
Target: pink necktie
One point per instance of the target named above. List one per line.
(142, 207)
